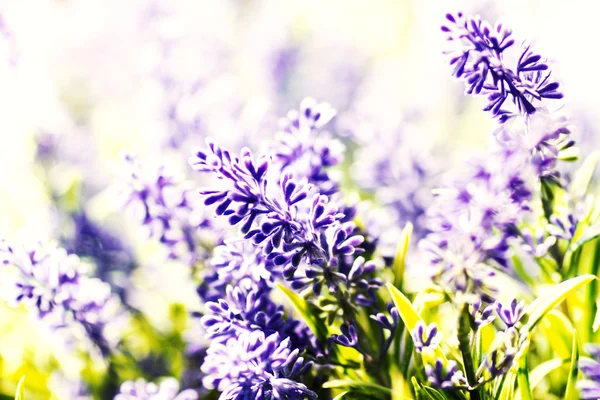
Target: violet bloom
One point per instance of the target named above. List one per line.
(398, 173)
(289, 223)
(256, 366)
(302, 146)
(52, 284)
(167, 389)
(478, 59)
(166, 208)
(590, 388)
(445, 376)
(473, 221)
(425, 337)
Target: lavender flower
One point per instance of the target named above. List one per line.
(590, 388)
(254, 365)
(425, 337)
(167, 210)
(167, 389)
(306, 151)
(445, 376)
(501, 356)
(289, 229)
(473, 221)
(478, 60)
(245, 308)
(512, 314)
(233, 263)
(536, 244)
(51, 284)
(481, 317)
(392, 168)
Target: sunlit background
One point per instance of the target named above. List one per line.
(82, 82)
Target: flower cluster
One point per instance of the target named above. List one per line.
(166, 208)
(53, 285)
(303, 149)
(257, 366)
(472, 221)
(478, 60)
(590, 387)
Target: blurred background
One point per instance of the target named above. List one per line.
(82, 82)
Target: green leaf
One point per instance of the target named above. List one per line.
(20, 388)
(399, 265)
(571, 392)
(307, 312)
(582, 178)
(363, 386)
(434, 394)
(341, 395)
(551, 191)
(559, 333)
(543, 304)
(408, 314)
(541, 371)
(523, 374)
(589, 233)
(418, 388)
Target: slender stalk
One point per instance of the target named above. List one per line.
(464, 344)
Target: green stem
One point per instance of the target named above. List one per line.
(464, 344)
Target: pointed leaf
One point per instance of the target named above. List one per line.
(399, 265)
(359, 385)
(543, 304)
(571, 392)
(308, 313)
(582, 178)
(434, 394)
(408, 314)
(559, 332)
(523, 374)
(20, 388)
(540, 372)
(341, 395)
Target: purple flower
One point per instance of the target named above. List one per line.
(512, 314)
(425, 337)
(52, 284)
(447, 376)
(167, 389)
(254, 365)
(590, 388)
(302, 148)
(473, 220)
(478, 61)
(166, 208)
(289, 225)
(481, 316)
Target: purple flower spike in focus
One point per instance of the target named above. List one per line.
(478, 59)
(256, 366)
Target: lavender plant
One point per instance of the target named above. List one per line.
(296, 297)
